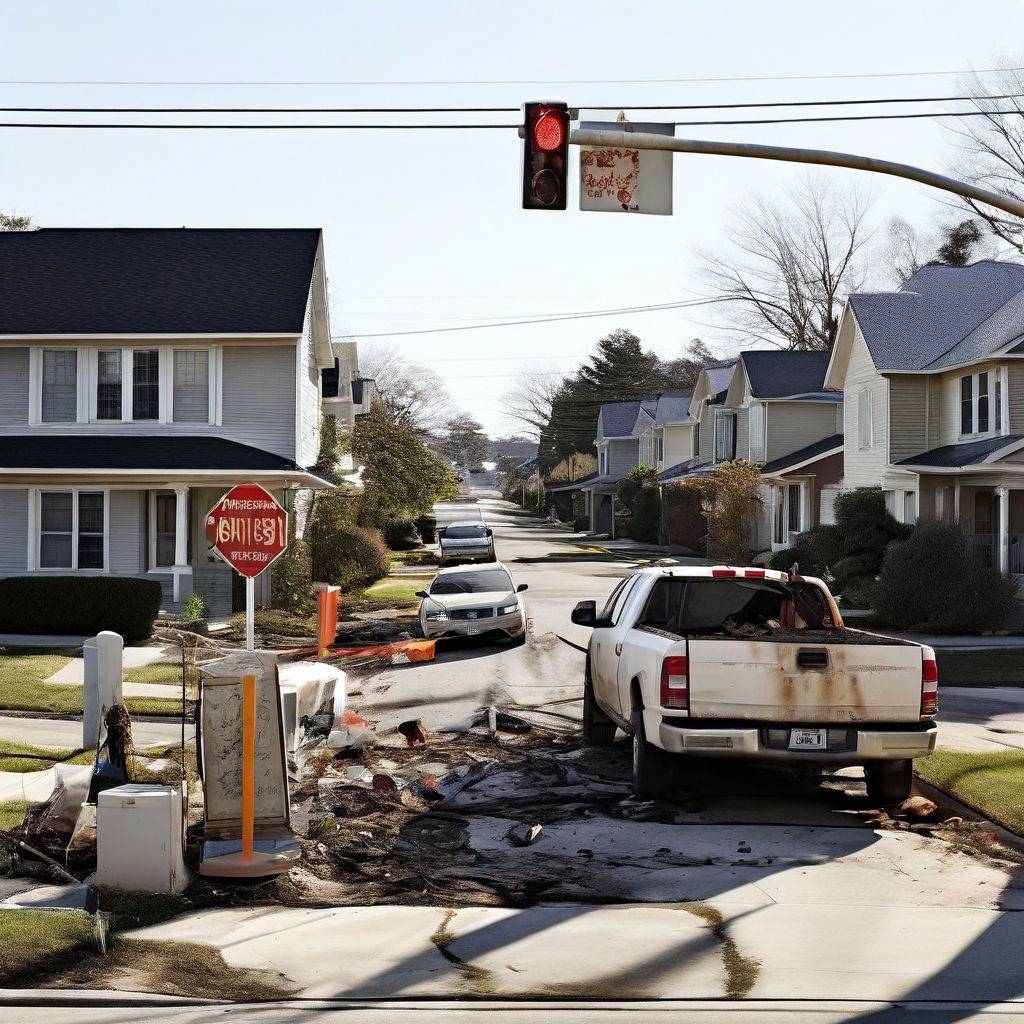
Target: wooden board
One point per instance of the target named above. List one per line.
(222, 745)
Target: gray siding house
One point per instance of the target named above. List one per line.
(934, 382)
(142, 373)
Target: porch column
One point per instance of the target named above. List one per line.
(1003, 494)
(180, 537)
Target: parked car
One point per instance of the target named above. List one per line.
(474, 600)
(752, 663)
(469, 541)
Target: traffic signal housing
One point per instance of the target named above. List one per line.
(545, 156)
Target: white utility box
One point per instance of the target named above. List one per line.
(140, 838)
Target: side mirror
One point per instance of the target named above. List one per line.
(522, 587)
(421, 594)
(585, 614)
(490, 532)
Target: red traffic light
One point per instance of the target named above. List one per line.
(545, 156)
(548, 132)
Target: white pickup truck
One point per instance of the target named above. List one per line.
(752, 663)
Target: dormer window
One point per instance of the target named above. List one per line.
(981, 401)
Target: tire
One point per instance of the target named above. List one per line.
(598, 728)
(652, 767)
(889, 782)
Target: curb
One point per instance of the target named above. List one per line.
(946, 800)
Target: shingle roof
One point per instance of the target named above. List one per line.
(155, 280)
(943, 316)
(673, 408)
(819, 449)
(683, 470)
(119, 451)
(774, 374)
(619, 418)
(972, 453)
(719, 376)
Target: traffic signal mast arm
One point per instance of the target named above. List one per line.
(792, 154)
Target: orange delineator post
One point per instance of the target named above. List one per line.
(327, 618)
(248, 764)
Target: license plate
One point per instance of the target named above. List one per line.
(808, 739)
(472, 630)
(470, 615)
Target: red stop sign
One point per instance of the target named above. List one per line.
(248, 528)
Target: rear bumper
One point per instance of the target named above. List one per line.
(467, 554)
(863, 744)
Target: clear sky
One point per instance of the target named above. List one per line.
(424, 228)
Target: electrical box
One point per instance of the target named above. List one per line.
(140, 838)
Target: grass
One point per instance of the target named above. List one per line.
(58, 949)
(992, 782)
(39, 759)
(405, 559)
(390, 592)
(12, 814)
(23, 671)
(997, 666)
(166, 672)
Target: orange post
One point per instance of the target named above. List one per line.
(248, 764)
(327, 618)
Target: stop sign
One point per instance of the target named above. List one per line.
(248, 528)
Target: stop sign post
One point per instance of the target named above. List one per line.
(248, 529)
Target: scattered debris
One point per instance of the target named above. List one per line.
(415, 732)
(350, 731)
(916, 808)
(522, 835)
(511, 723)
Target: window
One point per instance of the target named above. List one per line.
(602, 462)
(967, 405)
(60, 386)
(793, 507)
(191, 386)
(779, 519)
(164, 529)
(725, 426)
(757, 414)
(72, 532)
(660, 445)
(146, 384)
(981, 402)
(909, 507)
(865, 436)
(999, 401)
(108, 384)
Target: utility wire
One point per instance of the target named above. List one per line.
(527, 81)
(939, 114)
(502, 110)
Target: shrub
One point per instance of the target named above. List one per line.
(79, 604)
(646, 517)
(401, 535)
(291, 577)
(630, 485)
(342, 553)
(731, 498)
(426, 526)
(193, 610)
(783, 560)
(683, 518)
(933, 582)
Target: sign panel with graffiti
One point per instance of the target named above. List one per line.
(623, 180)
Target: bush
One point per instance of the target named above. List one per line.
(82, 605)
(341, 553)
(401, 535)
(426, 526)
(291, 577)
(731, 499)
(783, 560)
(933, 582)
(646, 518)
(633, 482)
(193, 610)
(683, 518)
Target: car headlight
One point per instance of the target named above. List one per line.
(508, 609)
(437, 616)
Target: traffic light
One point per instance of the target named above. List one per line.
(545, 156)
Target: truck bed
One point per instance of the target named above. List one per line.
(816, 637)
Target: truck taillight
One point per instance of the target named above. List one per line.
(722, 571)
(929, 687)
(675, 683)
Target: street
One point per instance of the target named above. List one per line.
(758, 886)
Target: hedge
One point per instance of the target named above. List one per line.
(82, 605)
(401, 535)
(426, 525)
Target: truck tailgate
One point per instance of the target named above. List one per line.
(787, 682)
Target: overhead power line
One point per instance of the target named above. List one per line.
(552, 318)
(374, 83)
(507, 110)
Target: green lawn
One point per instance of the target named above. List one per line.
(44, 757)
(992, 782)
(390, 592)
(407, 559)
(12, 814)
(166, 672)
(22, 686)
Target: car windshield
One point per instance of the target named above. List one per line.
(465, 533)
(472, 582)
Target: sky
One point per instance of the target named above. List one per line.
(424, 229)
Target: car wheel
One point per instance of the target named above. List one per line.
(598, 728)
(889, 782)
(651, 767)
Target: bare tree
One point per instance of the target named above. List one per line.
(14, 222)
(991, 148)
(528, 403)
(789, 265)
(409, 391)
(906, 247)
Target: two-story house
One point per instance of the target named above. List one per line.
(142, 373)
(934, 382)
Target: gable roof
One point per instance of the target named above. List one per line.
(712, 384)
(156, 280)
(618, 419)
(943, 316)
(795, 375)
(824, 448)
(673, 408)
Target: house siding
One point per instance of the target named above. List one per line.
(864, 468)
(308, 445)
(678, 443)
(742, 433)
(706, 435)
(259, 397)
(755, 431)
(1015, 390)
(623, 455)
(950, 403)
(126, 532)
(14, 388)
(794, 425)
(908, 416)
(934, 418)
(13, 530)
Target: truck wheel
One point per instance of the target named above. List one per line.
(889, 782)
(651, 767)
(598, 728)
